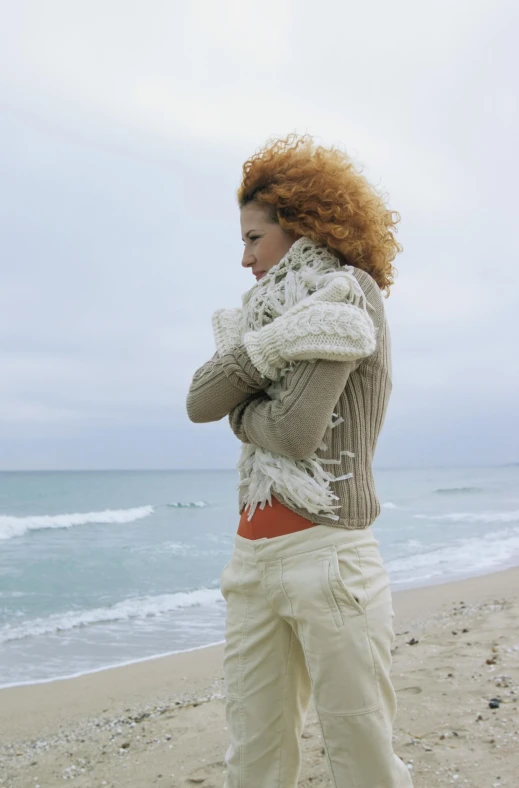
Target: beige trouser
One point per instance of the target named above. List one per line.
(309, 613)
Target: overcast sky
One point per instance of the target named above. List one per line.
(124, 128)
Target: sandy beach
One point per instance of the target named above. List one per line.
(162, 722)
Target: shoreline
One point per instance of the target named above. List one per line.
(167, 654)
(57, 679)
(456, 649)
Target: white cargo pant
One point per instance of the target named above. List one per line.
(309, 613)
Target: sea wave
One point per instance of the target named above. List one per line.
(11, 526)
(136, 608)
(172, 548)
(475, 554)
(190, 505)
(459, 490)
(511, 516)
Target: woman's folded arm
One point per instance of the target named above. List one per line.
(221, 384)
(294, 425)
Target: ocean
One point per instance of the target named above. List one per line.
(103, 568)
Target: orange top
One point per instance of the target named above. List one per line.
(274, 520)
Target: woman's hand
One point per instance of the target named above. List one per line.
(227, 328)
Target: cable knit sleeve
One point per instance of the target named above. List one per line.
(295, 424)
(221, 384)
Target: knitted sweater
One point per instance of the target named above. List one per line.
(299, 422)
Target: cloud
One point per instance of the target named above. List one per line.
(125, 127)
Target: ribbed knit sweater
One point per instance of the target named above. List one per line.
(297, 424)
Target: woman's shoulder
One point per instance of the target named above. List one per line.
(372, 292)
(366, 280)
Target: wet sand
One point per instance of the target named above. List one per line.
(162, 722)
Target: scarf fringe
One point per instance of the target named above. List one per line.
(301, 483)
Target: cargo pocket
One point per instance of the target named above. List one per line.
(342, 661)
(344, 599)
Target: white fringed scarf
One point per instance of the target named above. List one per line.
(306, 268)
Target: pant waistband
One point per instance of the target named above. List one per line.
(320, 536)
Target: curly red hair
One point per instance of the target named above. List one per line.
(318, 192)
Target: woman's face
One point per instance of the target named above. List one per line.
(265, 241)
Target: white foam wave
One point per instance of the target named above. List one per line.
(453, 490)
(473, 517)
(389, 505)
(190, 505)
(11, 526)
(137, 608)
(475, 554)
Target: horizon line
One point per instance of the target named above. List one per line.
(213, 470)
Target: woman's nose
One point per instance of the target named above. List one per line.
(247, 259)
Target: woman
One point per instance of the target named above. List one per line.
(303, 371)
